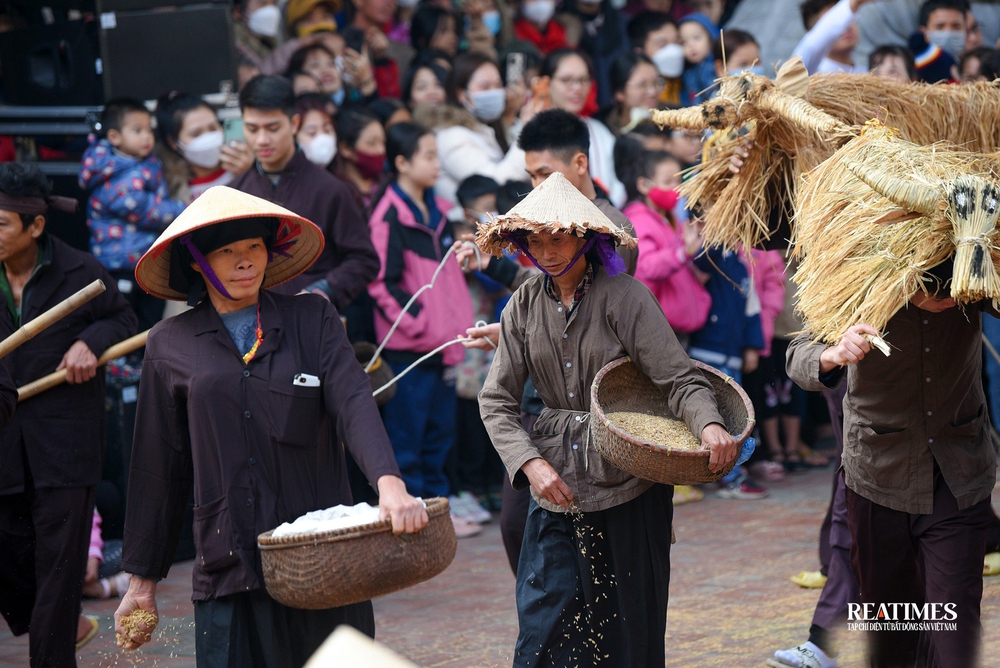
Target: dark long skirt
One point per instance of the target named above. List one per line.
(592, 587)
(252, 630)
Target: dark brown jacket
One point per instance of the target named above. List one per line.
(257, 449)
(348, 262)
(923, 404)
(62, 430)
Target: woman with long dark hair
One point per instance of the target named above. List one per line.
(191, 144)
(570, 76)
(360, 157)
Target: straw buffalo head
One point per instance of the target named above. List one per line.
(971, 202)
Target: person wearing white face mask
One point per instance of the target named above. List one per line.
(191, 145)
(316, 136)
(469, 139)
(257, 32)
(655, 35)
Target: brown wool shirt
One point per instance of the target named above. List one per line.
(257, 449)
(617, 317)
(923, 404)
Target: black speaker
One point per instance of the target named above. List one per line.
(139, 54)
(134, 5)
(51, 65)
(147, 53)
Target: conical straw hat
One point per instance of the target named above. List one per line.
(304, 241)
(554, 206)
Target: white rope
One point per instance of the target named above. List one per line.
(464, 339)
(990, 348)
(392, 330)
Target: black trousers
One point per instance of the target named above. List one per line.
(937, 558)
(592, 588)
(44, 536)
(252, 630)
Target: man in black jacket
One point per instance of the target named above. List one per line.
(283, 175)
(52, 451)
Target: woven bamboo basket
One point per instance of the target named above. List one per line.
(328, 569)
(620, 386)
(379, 374)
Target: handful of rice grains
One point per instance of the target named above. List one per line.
(131, 623)
(656, 429)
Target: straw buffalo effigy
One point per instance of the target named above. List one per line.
(796, 122)
(877, 215)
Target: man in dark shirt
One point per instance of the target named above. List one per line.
(919, 468)
(282, 174)
(245, 399)
(52, 451)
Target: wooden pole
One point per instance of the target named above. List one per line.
(59, 377)
(31, 329)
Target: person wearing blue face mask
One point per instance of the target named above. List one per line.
(940, 40)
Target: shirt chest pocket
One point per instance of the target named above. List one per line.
(296, 413)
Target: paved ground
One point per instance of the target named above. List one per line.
(731, 602)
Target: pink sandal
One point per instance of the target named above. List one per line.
(768, 471)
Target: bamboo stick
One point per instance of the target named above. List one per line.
(31, 329)
(59, 377)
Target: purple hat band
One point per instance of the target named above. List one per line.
(609, 259)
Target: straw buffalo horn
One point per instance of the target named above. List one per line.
(912, 196)
(799, 112)
(714, 114)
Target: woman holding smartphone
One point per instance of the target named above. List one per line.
(195, 151)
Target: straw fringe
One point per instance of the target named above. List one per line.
(862, 256)
(796, 135)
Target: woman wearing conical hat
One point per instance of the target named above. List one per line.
(246, 399)
(593, 575)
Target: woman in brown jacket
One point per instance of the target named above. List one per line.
(594, 569)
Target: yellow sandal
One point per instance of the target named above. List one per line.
(809, 579)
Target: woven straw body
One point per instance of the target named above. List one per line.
(333, 568)
(620, 386)
(554, 206)
(792, 135)
(379, 374)
(303, 239)
(864, 253)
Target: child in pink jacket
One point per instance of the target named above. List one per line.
(665, 246)
(411, 236)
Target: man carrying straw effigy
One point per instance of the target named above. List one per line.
(246, 399)
(919, 468)
(593, 575)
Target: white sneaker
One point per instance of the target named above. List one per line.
(473, 509)
(806, 655)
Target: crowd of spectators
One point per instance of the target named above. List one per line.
(396, 124)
